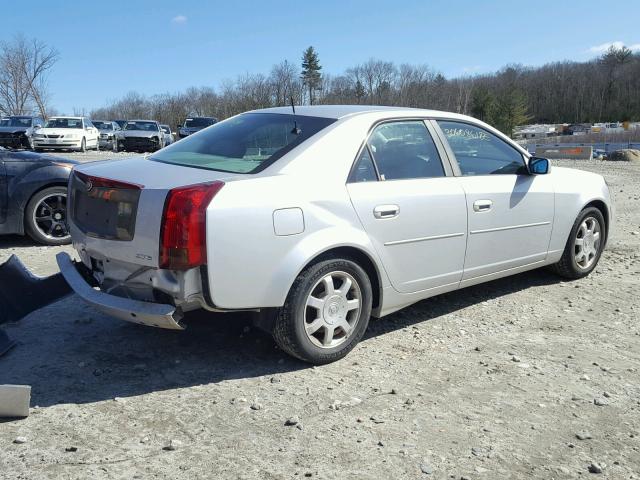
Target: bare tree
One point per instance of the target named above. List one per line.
(286, 84)
(24, 69)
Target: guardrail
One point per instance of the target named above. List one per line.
(565, 152)
(597, 147)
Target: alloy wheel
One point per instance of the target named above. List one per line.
(50, 217)
(332, 309)
(587, 242)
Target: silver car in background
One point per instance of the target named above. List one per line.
(141, 136)
(108, 134)
(319, 218)
(168, 135)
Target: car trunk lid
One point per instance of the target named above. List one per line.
(116, 207)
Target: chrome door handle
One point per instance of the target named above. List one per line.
(482, 205)
(386, 211)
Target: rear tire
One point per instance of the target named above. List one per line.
(45, 217)
(326, 312)
(584, 245)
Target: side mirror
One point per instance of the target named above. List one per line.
(37, 126)
(178, 127)
(538, 166)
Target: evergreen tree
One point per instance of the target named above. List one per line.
(483, 105)
(512, 110)
(311, 71)
(360, 91)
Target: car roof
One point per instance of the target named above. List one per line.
(64, 116)
(341, 111)
(141, 120)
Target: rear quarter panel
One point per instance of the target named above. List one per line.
(248, 264)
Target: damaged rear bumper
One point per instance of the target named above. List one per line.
(136, 311)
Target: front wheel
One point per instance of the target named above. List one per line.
(326, 312)
(83, 145)
(584, 245)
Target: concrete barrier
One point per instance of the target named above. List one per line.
(570, 153)
(14, 400)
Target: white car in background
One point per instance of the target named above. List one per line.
(323, 218)
(67, 133)
(168, 135)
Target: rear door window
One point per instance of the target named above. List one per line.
(364, 170)
(404, 150)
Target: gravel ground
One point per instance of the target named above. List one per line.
(525, 377)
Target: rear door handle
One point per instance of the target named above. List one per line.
(482, 205)
(386, 211)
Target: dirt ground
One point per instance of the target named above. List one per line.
(496, 381)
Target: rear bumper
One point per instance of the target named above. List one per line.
(136, 311)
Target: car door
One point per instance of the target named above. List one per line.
(510, 212)
(410, 205)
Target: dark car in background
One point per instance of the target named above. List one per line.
(16, 131)
(121, 123)
(33, 195)
(195, 124)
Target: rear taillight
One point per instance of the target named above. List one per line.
(183, 231)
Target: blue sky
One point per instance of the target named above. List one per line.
(108, 48)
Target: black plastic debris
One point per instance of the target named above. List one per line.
(21, 292)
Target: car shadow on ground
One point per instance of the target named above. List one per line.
(15, 241)
(87, 357)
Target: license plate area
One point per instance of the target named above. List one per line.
(104, 210)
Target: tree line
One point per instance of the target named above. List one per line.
(602, 89)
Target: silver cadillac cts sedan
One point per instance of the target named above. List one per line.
(319, 218)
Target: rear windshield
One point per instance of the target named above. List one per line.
(247, 143)
(102, 125)
(198, 122)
